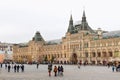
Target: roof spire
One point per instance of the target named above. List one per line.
(70, 27)
(83, 17)
(71, 18)
(84, 22)
(84, 11)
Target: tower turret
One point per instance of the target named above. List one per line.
(38, 37)
(84, 17)
(84, 24)
(70, 27)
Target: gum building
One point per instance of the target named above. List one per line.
(81, 44)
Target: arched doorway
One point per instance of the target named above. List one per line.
(104, 62)
(74, 58)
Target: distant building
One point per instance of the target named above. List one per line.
(81, 44)
(6, 51)
(1, 58)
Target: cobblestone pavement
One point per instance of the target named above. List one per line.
(71, 72)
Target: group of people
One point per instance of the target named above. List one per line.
(116, 68)
(58, 71)
(15, 67)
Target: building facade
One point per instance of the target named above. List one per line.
(6, 50)
(81, 44)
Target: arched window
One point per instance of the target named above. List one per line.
(104, 54)
(93, 54)
(86, 54)
(99, 54)
(110, 54)
(65, 55)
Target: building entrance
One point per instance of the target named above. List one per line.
(74, 58)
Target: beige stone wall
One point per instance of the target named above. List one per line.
(81, 45)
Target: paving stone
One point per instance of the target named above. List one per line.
(71, 72)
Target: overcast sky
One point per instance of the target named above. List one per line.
(20, 19)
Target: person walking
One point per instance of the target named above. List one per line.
(55, 71)
(15, 68)
(9, 68)
(108, 65)
(37, 65)
(113, 68)
(5, 65)
(49, 69)
(22, 68)
(18, 68)
(61, 70)
(1, 65)
(79, 65)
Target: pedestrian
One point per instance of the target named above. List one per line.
(9, 68)
(5, 65)
(113, 68)
(22, 68)
(18, 68)
(61, 70)
(108, 65)
(78, 65)
(1, 65)
(15, 68)
(49, 69)
(55, 71)
(0, 70)
(116, 68)
(12, 65)
(37, 65)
